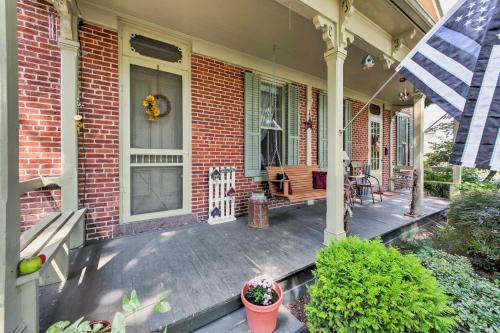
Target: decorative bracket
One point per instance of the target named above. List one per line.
(397, 43)
(328, 28)
(386, 60)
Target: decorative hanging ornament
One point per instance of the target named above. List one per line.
(368, 62)
(404, 95)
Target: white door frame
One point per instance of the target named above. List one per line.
(379, 119)
(128, 58)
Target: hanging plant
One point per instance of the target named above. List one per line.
(152, 109)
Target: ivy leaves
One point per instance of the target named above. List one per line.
(130, 305)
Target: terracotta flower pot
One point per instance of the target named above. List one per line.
(261, 318)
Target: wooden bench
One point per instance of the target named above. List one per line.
(53, 236)
(301, 179)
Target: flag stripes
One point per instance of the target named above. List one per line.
(457, 65)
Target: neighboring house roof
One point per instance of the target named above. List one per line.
(432, 8)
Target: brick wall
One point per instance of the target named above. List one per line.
(98, 162)
(218, 129)
(217, 122)
(359, 133)
(39, 111)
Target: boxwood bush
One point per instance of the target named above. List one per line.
(362, 286)
(476, 300)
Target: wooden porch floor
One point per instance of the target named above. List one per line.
(198, 266)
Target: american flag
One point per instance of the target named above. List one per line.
(457, 66)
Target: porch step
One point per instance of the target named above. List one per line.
(236, 322)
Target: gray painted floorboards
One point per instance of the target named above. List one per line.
(198, 266)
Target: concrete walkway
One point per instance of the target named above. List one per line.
(198, 266)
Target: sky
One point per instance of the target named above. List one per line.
(433, 112)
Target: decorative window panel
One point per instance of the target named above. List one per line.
(155, 49)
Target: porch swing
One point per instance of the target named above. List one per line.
(293, 183)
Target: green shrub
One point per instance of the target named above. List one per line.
(473, 228)
(437, 189)
(476, 301)
(478, 186)
(362, 286)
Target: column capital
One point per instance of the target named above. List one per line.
(417, 96)
(335, 55)
(70, 45)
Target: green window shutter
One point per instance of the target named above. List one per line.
(410, 139)
(348, 130)
(399, 140)
(293, 124)
(322, 131)
(252, 125)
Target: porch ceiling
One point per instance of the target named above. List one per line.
(254, 27)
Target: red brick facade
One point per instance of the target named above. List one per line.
(98, 162)
(39, 107)
(217, 123)
(217, 129)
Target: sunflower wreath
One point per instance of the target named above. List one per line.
(152, 109)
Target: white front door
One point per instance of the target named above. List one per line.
(375, 142)
(155, 154)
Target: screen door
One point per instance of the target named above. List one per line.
(156, 153)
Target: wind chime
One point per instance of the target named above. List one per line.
(151, 102)
(404, 95)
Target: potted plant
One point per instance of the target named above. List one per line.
(262, 298)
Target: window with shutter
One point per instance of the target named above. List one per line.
(322, 131)
(348, 130)
(252, 125)
(410, 139)
(293, 124)
(404, 140)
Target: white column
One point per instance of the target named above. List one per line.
(69, 147)
(335, 179)
(418, 147)
(9, 171)
(457, 169)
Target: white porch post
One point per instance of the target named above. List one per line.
(69, 148)
(69, 89)
(336, 40)
(418, 147)
(10, 320)
(335, 178)
(68, 43)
